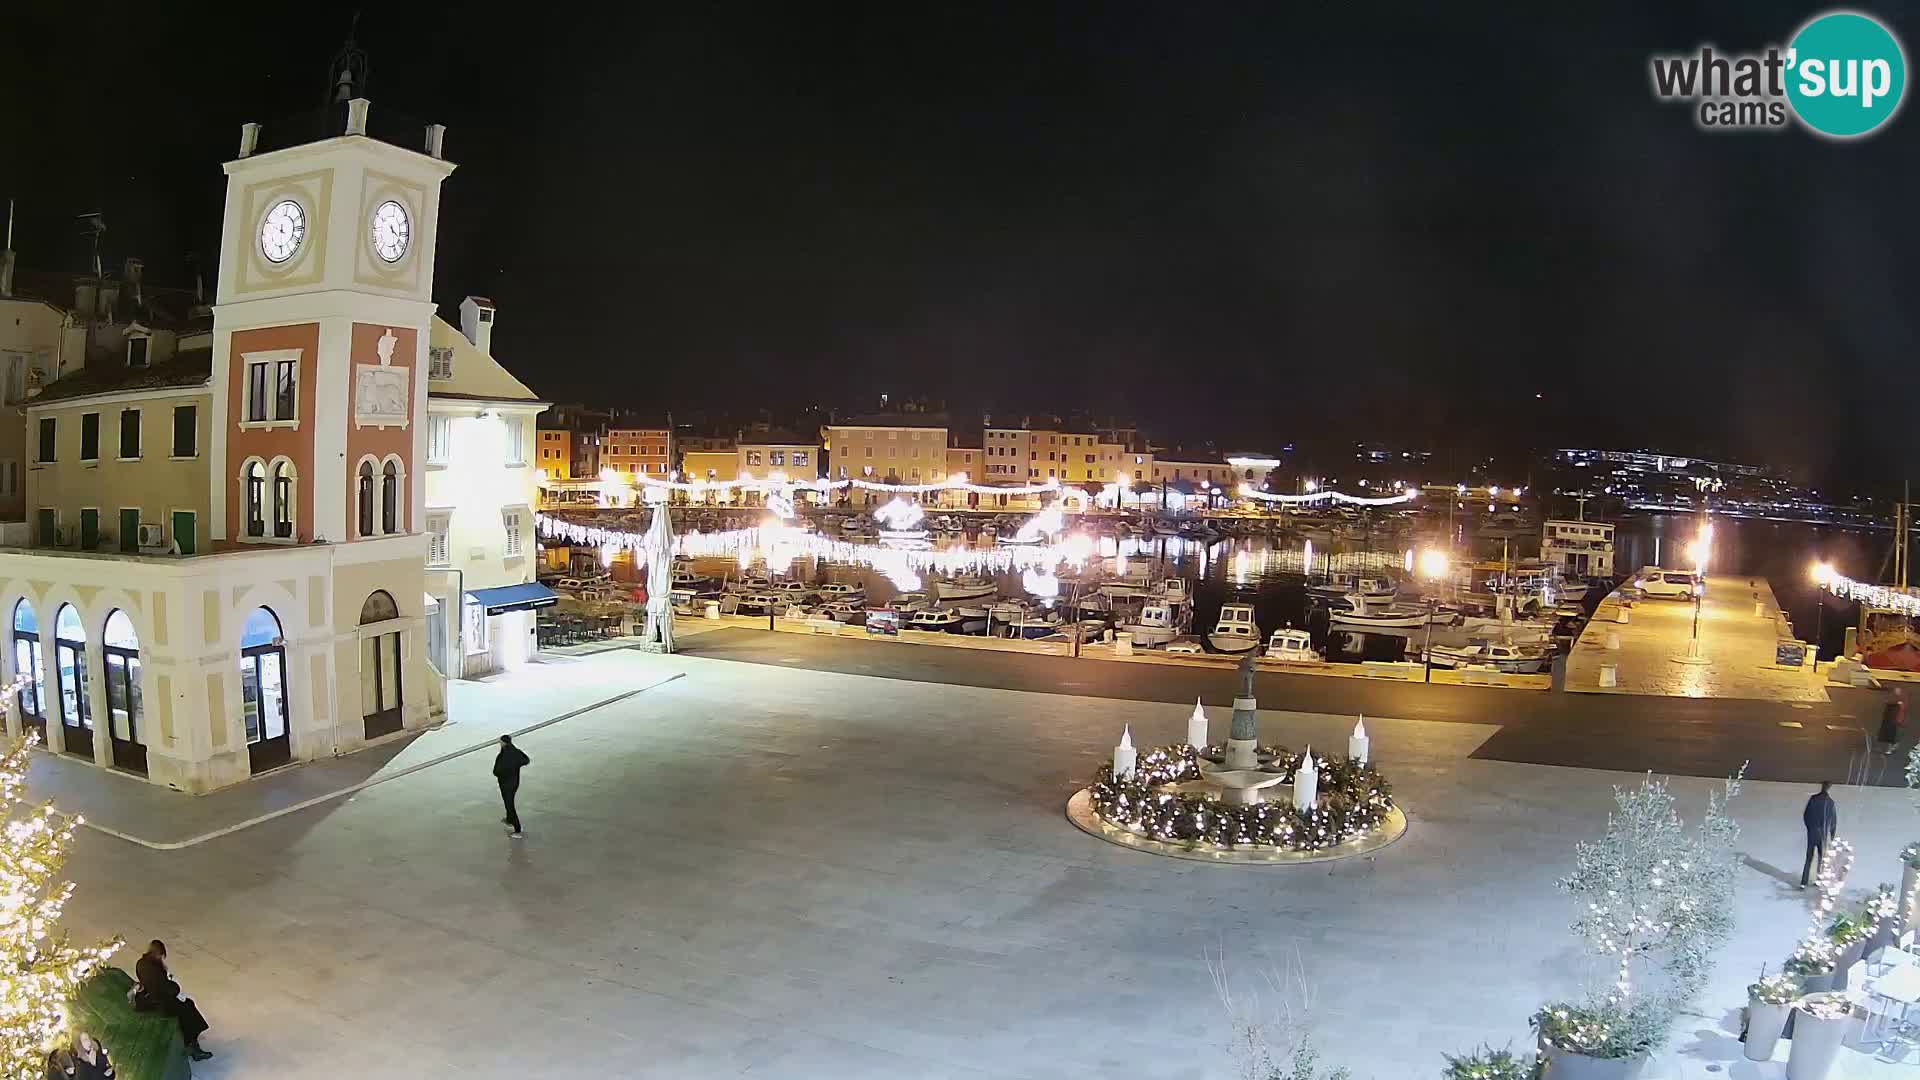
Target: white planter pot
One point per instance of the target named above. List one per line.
(1764, 1024)
(1566, 1065)
(1816, 1045)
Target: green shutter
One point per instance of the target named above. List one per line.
(129, 530)
(89, 529)
(183, 530)
(45, 529)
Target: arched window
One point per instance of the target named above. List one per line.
(254, 477)
(366, 498)
(378, 608)
(70, 667)
(390, 497)
(120, 649)
(26, 661)
(283, 478)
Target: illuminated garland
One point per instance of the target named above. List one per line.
(1406, 496)
(1878, 596)
(1354, 800)
(39, 970)
(956, 482)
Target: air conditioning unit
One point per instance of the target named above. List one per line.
(152, 537)
(63, 536)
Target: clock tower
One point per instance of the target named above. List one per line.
(320, 334)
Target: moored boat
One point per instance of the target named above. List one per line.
(1236, 632)
(1293, 646)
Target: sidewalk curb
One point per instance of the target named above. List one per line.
(316, 800)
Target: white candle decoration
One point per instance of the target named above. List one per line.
(1306, 783)
(1124, 755)
(1197, 727)
(1357, 742)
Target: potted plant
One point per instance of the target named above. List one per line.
(1909, 881)
(1768, 1003)
(1489, 1064)
(1848, 933)
(1654, 903)
(1820, 1024)
(1599, 1041)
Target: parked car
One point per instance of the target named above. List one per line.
(1669, 585)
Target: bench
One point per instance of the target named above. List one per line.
(143, 1045)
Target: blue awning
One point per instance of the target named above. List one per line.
(513, 597)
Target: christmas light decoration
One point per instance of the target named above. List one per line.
(1354, 800)
(955, 482)
(39, 969)
(1885, 597)
(1406, 496)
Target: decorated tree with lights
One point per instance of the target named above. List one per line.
(39, 969)
(1655, 903)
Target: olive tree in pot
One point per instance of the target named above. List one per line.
(1654, 902)
(1489, 1064)
(1768, 1003)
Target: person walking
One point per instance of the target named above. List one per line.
(159, 993)
(1892, 716)
(90, 1058)
(1822, 819)
(506, 769)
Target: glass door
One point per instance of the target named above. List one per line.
(123, 710)
(263, 690)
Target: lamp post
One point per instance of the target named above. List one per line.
(1822, 574)
(1433, 568)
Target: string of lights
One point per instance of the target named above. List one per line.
(1875, 596)
(1355, 800)
(955, 482)
(1406, 496)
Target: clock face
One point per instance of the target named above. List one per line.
(283, 230)
(392, 231)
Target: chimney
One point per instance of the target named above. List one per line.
(436, 140)
(357, 116)
(6, 272)
(249, 138)
(476, 321)
(132, 271)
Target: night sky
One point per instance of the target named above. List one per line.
(1255, 223)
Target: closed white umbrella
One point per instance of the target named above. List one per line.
(659, 548)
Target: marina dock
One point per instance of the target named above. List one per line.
(1741, 630)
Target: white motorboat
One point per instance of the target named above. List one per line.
(835, 590)
(685, 578)
(1173, 591)
(747, 583)
(1294, 646)
(757, 603)
(1134, 583)
(1030, 624)
(1571, 592)
(935, 620)
(1236, 632)
(1365, 613)
(797, 613)
(1154, 626)
(851, 612)
(973, 618)
(1513, 659)
(967, 588)
(905, 604)
(1341, 584)
(795, 591)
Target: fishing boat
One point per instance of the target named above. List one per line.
(966, 588)
(747, 583)
(1293, 646)
(835, 590)
(1362, 612)
(1510, 658)
(1153, 626)
(1031, 624)
(685, 578)
(752, 603)
(904, 604)
(1173, 592)
(973, 618)
(935, 620)
(795, 591)
(1342, 584)
(1134, 583)
(851, 612)
(1236, 632)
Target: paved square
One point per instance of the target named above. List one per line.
(769, 872)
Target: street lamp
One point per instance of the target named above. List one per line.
(1433, 568)
(1822, 574)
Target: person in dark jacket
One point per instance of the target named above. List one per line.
(1891, 717)
(1822, 819)
(506, 769)
(159, 993)
(90, 1059)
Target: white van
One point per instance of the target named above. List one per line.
(1657, 584)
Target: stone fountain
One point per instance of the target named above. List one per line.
(1237, 775)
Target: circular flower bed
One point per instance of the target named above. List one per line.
(1354, 799)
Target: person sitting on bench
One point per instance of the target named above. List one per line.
(158, 992)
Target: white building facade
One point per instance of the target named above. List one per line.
(481, 489)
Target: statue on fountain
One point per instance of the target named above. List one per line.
(1238, 774)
